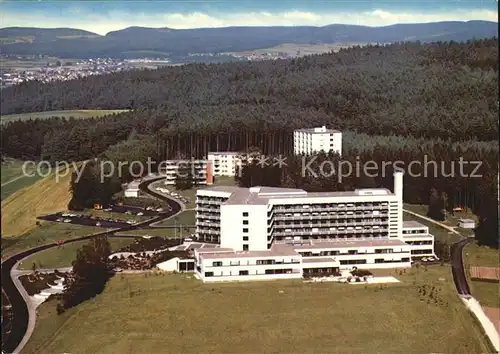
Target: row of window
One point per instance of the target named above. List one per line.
(349, 252)
(419, 243)
(245, 272)
(258, 262)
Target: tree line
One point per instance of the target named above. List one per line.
(445, 91)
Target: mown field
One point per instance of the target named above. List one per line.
(170, 232)
(177, 314)
(77, 114)
(486, 292)
(46, 196)
(64, 255)
(47, 232)
(13, 177)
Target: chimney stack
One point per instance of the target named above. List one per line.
(398, 184)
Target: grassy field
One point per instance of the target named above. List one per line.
(187, 217)
(46, 196)
(293, 49)
(77, 114)
(64, 255)
(114, 215)
(487, 293)
(167, 232)
(48, 232)
(14, 179)
(11, 169)
(451, 220)
(440, 234)
(178, 314)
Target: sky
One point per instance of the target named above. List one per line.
(104, 16)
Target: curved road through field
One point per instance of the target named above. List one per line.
(457, 261)
(24, 315)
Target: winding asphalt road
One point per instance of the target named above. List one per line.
(22, 314)
(457, 267)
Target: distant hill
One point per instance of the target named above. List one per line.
(71, 43)
(12, 35)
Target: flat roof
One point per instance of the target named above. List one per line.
(466, 220)
(262, 195)
(289, 249)
(318, 260)
(411, 224)
(233, 153)
(343, 243)
(317, 130)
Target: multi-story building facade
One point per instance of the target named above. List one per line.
(200, 171)
(262, 226)
(417, 235)
(309, 141)
(225, 163)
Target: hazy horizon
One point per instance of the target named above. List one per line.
(104, 17)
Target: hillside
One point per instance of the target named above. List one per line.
(230, 39)
(47, 196)
(11, 35)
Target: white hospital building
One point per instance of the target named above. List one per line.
(309, 141)
(225, 163)
(275, 233)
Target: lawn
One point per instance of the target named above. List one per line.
(486, 292)
(115, 215)
(11, 169)
(162, 232)
(178, 314)
(451, 220)
(64, 255)
(440, 234)
(77, 114)
(13, 178)
(48, 232)
(47, 196)
(187, 217)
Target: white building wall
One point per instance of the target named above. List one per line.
(131, 193)
(309, 141)
(229, 269)
(224, 163)
(244, 227)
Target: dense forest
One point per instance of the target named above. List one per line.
(396, 102)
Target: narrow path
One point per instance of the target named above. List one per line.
(12, 180)
(449, 228)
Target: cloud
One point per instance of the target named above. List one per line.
(103, 23)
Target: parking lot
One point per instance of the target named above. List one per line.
(74, 218)
(126, 209)
(193, 246)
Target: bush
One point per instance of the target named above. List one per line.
(361, 272)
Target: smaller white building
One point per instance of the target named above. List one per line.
(309, 141)
(201, 171)
(132, 190)
(225, 163)
(467, 224)
(418, 237)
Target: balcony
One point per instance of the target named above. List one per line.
(208, 210)
(209, 232)
(331, 224)
(301, 209)
(208, 217)
(331, 216)
(309, 232)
